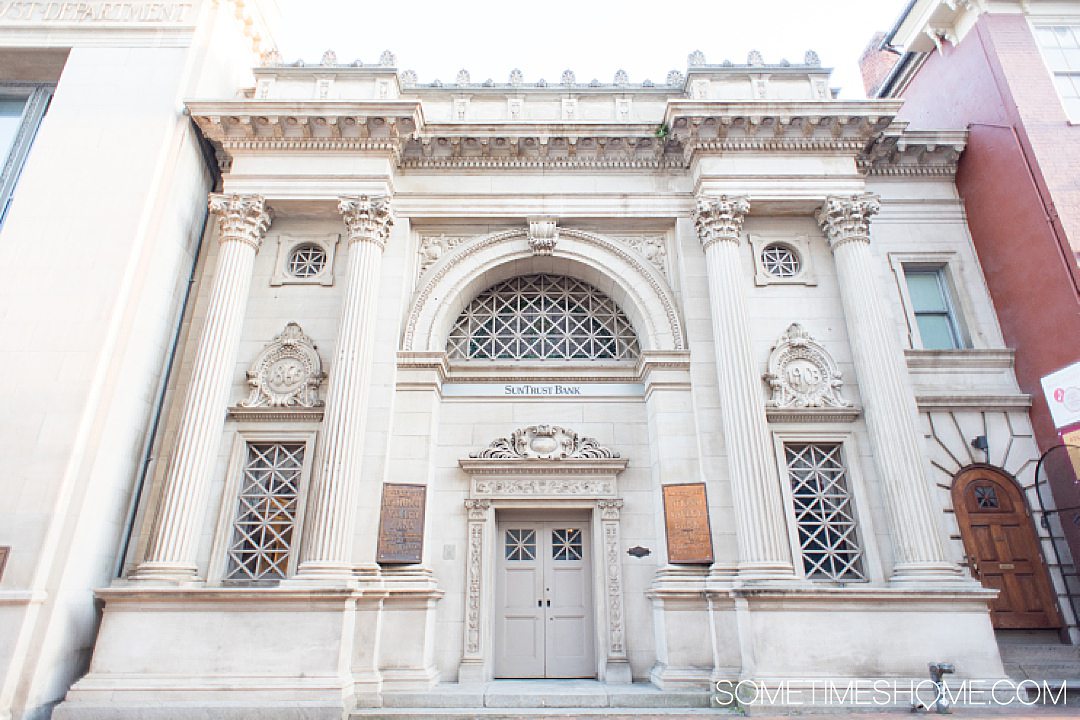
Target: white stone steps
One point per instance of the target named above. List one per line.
(569, 713)
(1050, 662)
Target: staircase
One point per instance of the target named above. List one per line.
(542, 699)
(1040, 658)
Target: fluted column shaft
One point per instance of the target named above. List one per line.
(888, 403)
(764, 547)
(335, 485)
(242, 221)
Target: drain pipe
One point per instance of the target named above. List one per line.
(163, 386)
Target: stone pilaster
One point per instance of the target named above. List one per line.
(473, 667)
(888, 402)
(617, 667)
(335, 485)
(764, 548)
(170, 556)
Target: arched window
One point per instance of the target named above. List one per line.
(542, 317)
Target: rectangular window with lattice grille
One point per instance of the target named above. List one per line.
(824, 511)
(264, 526)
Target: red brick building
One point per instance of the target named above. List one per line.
(1009, 74)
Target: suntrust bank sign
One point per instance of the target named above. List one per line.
(925, 694)
(543, 390)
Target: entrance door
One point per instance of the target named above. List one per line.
(543, 625)
(1003, 549)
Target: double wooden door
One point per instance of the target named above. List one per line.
(1003, 549)
(543, 589)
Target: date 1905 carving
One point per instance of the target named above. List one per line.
(686, 516)
(401, 525)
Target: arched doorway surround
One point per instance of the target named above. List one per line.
(1002, 548)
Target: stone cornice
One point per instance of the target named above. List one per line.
(688, 128)
(902, 152)
(823, 125)
(312, 126)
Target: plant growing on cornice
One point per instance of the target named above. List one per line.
(663, 131)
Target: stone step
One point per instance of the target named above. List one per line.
(569, 713)
(1058, 654)
(1049, 662)
(542, 694)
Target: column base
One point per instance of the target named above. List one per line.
(327, 574)
(931, 572)
(166, 573)
(766, 573)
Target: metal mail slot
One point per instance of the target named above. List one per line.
(1006, 566)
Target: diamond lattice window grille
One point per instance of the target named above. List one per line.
(520, 544)
(780, 261)
(566, 544)
(266, 512)
(542, 317)
(307, 261)
(824, 512)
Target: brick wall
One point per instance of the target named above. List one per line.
(875, 64)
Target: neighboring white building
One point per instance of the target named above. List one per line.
(669, 383)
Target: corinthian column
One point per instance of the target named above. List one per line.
(888, 402)
(335, 485)
(242, 220)
(764, 549)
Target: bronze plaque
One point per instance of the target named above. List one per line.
(3, 559)
(401, 524)
(686, 516)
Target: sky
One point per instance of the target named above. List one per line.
(594, 38)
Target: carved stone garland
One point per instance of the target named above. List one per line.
(544, 442)
(287, 373)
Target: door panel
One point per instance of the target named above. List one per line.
(519, 582)
(544, 625)
(1003, 549)
(569, 636)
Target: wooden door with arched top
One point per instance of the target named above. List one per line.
(1003, 549)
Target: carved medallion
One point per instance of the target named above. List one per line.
(545, 442)
(287, 373)
(802, 373)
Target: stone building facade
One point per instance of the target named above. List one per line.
(607, 380)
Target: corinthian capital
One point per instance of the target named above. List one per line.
(720, 218)
(847, 218)
(241, 218)
(368, 218)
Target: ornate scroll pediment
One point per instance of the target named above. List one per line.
(802, 374)
(287, 373)
(545, 442)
